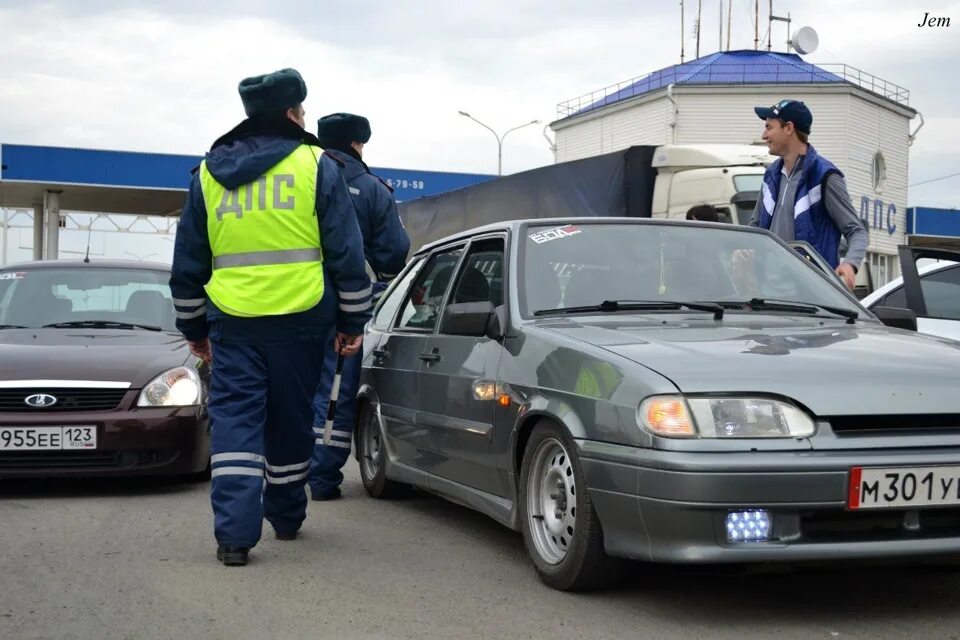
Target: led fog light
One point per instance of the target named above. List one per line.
(748, 526)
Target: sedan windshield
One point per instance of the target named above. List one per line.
(86, 297)
(585, 265)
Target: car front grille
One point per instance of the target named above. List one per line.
(864, 526)
(895, 424)
(67, 399)
(79, 460)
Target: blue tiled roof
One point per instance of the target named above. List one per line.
(726, 67)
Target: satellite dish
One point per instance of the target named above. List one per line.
(805, 40)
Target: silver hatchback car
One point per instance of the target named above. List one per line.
(665, 391)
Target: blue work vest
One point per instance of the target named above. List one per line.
(811, 222)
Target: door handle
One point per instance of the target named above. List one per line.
(381, 353)
(430, 357)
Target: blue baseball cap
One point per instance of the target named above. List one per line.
(789, 111)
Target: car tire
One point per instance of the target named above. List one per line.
(371, 454)
(566, 546)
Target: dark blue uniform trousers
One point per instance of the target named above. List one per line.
(329, 458)
(261, 417)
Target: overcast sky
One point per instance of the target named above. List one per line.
(161, 76)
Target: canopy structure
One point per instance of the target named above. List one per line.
(54, 179)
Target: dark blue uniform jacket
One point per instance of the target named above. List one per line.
(240, 157)
(385, 242)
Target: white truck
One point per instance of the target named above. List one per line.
(727, 176)
(641, 181)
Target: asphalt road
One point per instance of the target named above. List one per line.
(125, 559)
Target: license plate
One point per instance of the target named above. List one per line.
(891, 488)
(48, 438)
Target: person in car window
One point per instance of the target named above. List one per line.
(703, 213)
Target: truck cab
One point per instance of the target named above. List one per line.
(726, 176)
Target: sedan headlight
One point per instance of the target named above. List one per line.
(178, 387)
(723, 417)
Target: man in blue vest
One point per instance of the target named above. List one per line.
(804, 196)
(385, 246)
(268, 264)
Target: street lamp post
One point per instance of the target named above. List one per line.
(498, 137)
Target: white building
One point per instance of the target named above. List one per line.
(861, 123)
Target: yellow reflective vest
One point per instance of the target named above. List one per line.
(265, 239)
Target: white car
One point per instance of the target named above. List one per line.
(931, 291)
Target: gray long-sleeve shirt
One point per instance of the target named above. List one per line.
(836, 200)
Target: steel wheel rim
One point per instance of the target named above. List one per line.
(372, 445)
(552, 501)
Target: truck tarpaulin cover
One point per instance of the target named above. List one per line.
(615, 184)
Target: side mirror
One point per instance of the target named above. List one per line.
(497, 325)
(468, 318)
(896, 317)
(743, 205)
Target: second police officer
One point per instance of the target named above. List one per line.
(385, 246)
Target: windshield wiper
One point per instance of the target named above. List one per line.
(13, 326)
(101, 324)
(637, 305)
(771, 304)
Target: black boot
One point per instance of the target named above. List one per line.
(323, 497)
(233, 556)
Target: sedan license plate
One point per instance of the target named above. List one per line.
(892, 488)
(48, 438)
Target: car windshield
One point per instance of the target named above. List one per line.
(587, 264)
(86, 296)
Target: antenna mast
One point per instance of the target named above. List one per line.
(756, 25)
(699, 8)
(729, 21)
(682, 34)
(86, 258)
(770, 28)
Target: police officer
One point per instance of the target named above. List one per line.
(385, 245)
(268, 264)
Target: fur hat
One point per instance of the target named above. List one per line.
(338, 130)
(272, 92)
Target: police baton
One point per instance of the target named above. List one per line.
(332, 404)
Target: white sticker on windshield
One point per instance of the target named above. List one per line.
(554, 234)
(12, 275)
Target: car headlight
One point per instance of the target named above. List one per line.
(179, 387)
(723, 417)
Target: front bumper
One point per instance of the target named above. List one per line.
(668, 506)
(130, 442)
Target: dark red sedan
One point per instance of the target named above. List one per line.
(94, 378)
